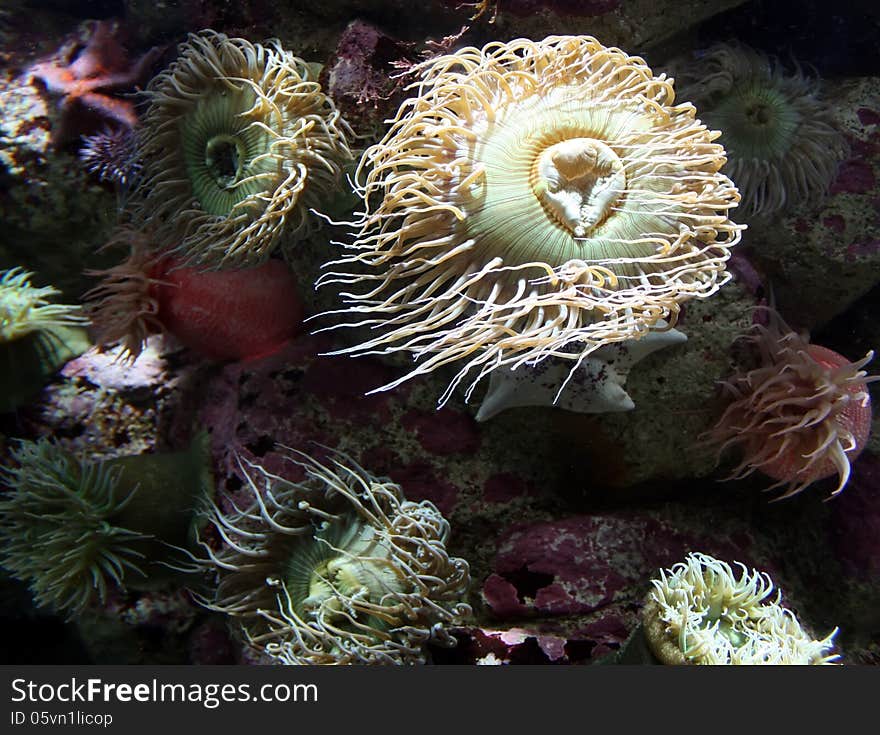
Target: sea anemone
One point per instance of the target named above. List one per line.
(534, 199)
(699, 612)
(337, 569)
(802, 415)
(124, 306)
(25, 309)
(228, 314)
(37, 336)
(74, 529)
(776, 128)
(237, 145)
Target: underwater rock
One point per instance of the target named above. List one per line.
(358, 76)
(855, 521)
(674, 394)
(308, 401)
(627, 23)
(579, 565)
(558, 641)
(52, 212)
(821, 259)
(106, 406)
(154, 627)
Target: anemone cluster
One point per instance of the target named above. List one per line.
(777, 130)
(533, 199)
(702, 612)
(237, 145)
(802, 415)
(337, 569)
(535, 208)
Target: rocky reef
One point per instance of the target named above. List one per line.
(343, 164)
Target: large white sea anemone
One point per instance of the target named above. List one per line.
(533, 200)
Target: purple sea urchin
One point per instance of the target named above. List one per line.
(111, 155)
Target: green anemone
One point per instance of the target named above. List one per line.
(25, 308)
(757, 123)
(74, 530)
(227, 158)
(702, 612)
(37, 336)
(239, 144)
(779, 133)
(535, 200)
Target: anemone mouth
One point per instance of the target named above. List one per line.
(758, 123)
(534, 199)
(343, 561)
(579, 181)
(239, 144)
(228, 157)
(779, 131)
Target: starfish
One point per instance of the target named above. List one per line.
(86, 75)
(594, 386)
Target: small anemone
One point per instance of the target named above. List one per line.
(802, 415)
(37, 336)
(701, 612)
(778, 131)
(337, 569)
(25, 309)
(533, 200)
(238, 144)
(74, 529)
